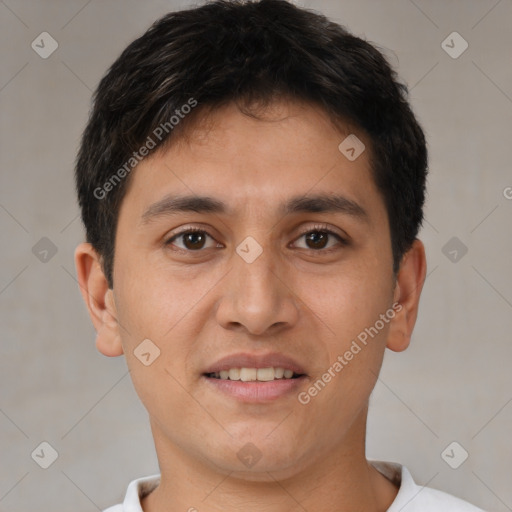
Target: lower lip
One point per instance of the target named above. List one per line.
(256, 391)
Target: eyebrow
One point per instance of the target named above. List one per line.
(320, 203)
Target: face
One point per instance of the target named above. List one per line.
(273, 275)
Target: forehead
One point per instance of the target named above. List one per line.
(290, 150)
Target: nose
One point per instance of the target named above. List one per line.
(258, 297)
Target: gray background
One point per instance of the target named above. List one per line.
(452, 384)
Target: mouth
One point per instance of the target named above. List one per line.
(254, 374)
(255, 378)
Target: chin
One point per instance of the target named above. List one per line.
(257, 456)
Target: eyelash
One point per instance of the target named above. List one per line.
(317, 228)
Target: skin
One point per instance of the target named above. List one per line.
(198, 306)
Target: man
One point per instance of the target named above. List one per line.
(251, 181)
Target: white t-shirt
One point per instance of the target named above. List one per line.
(410, 498)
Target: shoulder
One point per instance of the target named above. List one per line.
(412, 497)
(136, 490)
(433, 500)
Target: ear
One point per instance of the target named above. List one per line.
(99, 300)
(409, 283)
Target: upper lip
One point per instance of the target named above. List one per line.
(248, 360)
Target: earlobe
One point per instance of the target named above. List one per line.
(409, 285)
(109, 344)
(99, 300)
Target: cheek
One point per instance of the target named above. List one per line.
(152, 300)
(152, 308)
(350, 303)
(348, 300)
(355, 343)
(165, 308)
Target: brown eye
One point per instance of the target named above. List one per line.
(191, 239)
(318, 239)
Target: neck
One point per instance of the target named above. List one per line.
(340, 479)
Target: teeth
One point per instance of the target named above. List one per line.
(265, 374)
(288, 374)
(247, 374)
(234, 374)
(254, 374)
